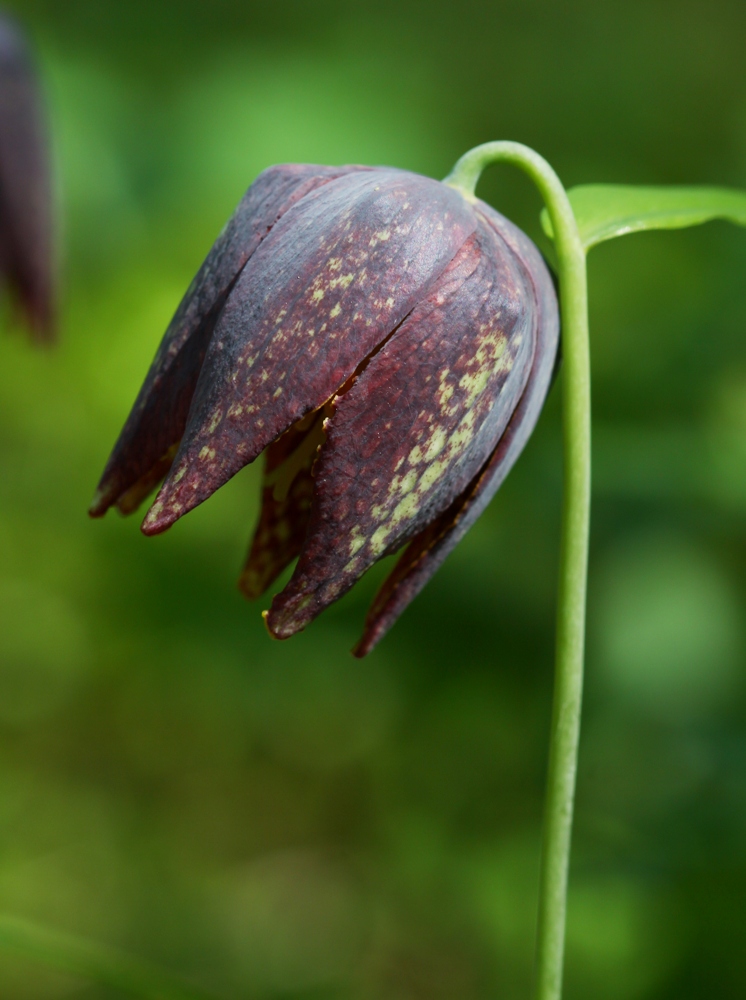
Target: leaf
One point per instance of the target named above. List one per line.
(92, 962)
(604, 211)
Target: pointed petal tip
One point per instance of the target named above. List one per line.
(247, 584)
(385, 609)
(102, 499)
(157, 520)
(270, 631)
(361, 647)
(290, 613)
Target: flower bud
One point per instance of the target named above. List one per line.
(385, 341)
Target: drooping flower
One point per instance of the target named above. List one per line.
(385, 341)
(25, 187)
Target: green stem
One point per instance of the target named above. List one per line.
(91, 961)
(576, 402)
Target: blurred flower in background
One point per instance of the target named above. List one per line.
(25, 185)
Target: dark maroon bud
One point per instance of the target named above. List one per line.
(25, 185)
(336, 274)
(388, 344)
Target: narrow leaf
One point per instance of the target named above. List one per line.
(604, 211)
(92, 962)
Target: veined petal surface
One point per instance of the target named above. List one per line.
(425, 554)
(338, 272)
(146, 446)
(417, 425)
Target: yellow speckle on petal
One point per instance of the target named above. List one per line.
(344, 282)
(432, 474)
(405, 509)
(154, 511)
(335, 311)
(357, 541)
(436, 444)
(378, 539)
(408, 482)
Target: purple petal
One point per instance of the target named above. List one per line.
(337, 273)
(287, 491)
(428, 551)
(145, 449)
(417, 425)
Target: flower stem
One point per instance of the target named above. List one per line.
(576, 402)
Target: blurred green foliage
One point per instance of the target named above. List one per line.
(279, 820)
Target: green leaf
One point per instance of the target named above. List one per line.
(604, 211)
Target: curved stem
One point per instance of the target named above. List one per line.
(576, 402)
(92, 962)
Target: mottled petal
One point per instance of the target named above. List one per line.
(336, 274)
(428, 550)
(287, 491)
(25, 186)
(417, 425)
(145, 449)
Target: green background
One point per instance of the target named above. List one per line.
(282, 821)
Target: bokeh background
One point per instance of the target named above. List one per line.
(281, 821)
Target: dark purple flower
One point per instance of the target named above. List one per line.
(386, 342)
(25, 188)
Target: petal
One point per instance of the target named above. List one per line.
(336, 274)
(286, 504)
(145, 449)
(429, 549)
(25, 186)
(417, 425)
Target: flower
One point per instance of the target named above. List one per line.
(386, 342)
(25, 188)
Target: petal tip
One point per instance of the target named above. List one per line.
(373, 632)
(286, 618)
(157, 520)
(102, 499)
(360, 649)
(270, 631)
(251, 586)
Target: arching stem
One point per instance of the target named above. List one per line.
(576, 403)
